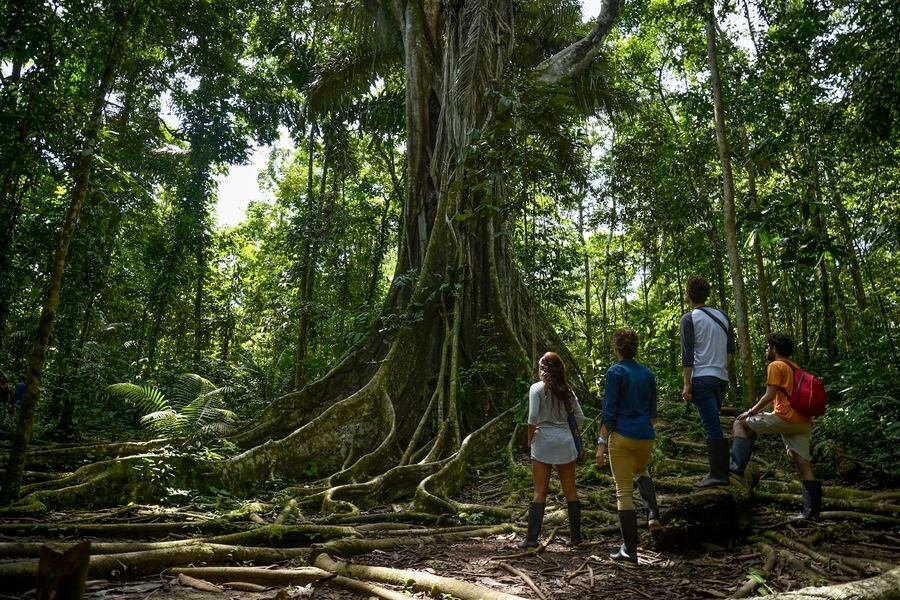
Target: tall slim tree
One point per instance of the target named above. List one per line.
(731, 236)
(81, 180)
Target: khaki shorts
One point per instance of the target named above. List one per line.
(796, 436)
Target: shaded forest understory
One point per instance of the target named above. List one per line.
(715, 544)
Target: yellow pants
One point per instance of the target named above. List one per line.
(628, 459)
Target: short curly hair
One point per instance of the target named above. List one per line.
(782, 343)
(625, 341)
(697, 289)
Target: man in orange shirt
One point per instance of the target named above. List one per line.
(795, 429)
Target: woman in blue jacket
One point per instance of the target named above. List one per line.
(629, 412)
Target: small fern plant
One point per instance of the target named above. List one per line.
(196, 407)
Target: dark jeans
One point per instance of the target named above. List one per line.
(707, 394)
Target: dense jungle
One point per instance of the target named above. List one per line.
(326, 395)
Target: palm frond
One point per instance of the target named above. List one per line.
(189, 387)
(168, 422)
(350, 72)
(208, 406)
(145, 398)
(594, 92)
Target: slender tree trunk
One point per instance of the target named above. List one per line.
(804, 320)
(846, 322)
(199, 336)
(606, 272)
(66, 425)
(588, 322)
(11, 195)
(762, 281)
(312, 246)
(734, 258)
(81, 177)
(828, 316)
(853, 260)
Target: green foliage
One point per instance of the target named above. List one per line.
(864, 431)
(196, 406)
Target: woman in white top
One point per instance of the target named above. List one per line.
(550, 401)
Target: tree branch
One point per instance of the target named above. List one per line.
(573, 59)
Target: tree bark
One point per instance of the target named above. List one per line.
(762, 281)
(588, 324)
(81, 177)
(731, 236)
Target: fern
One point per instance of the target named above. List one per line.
(145, 398)
(197, 406)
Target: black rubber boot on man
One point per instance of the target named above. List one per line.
(741, 449)
(717, 452)
(812, 501)
(628, 526)
(648, 494)
(535, 520)
(574, 510)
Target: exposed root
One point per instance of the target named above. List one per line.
(426, 582)
(348, 547)
(877, 508)
(433, 493)
(754, 582)
(22, 575)
(882, 587)
(845, 564)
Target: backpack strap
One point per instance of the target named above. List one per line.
(794, 368)
(714, 318)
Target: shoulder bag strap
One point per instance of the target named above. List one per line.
(714, 318)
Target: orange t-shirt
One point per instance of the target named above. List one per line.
(781, 375)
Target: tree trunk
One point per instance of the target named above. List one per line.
(853, 259)
(364, 412)
(65, 428)
(11, 196)
(311, 245)
(731, 236)
(588, 322)
(762, 282)
(81, 178)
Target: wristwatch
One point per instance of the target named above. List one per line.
(601, 441)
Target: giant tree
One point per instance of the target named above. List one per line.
(455, 284)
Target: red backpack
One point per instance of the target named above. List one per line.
(808, 397)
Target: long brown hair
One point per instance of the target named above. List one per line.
(552, 371)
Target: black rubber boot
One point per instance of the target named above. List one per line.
(628, 526)
(574, 510)
(812, 501)
(535, 520)
(648, 494)
(741, 449)
(717, 451)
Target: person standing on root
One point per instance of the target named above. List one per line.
(707, 352)
(550, 402)
(629, 412)
(795, 429)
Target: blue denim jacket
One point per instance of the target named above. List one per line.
(629, 400)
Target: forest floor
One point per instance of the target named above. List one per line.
(858, 537)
